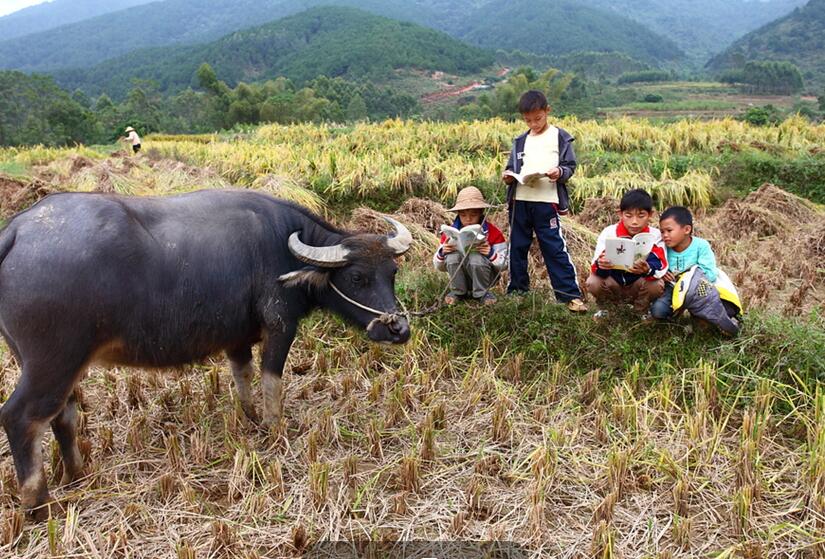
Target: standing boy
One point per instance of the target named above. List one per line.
(642, 283)
(536, 206)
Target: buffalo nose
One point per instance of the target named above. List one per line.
(400, 330)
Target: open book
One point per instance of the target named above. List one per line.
(464, 239)
(623, 253)
(528, 179)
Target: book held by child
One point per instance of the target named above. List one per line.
(464, 239)
(527, 179)
(623, 252)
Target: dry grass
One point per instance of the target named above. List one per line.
(174, 469)
(435, 160)
(770, 243)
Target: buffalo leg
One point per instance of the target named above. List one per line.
(276, 348)
(34, 403)
(242, 372)
(64, 427)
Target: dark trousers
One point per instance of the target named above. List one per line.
(663, 306)
(541, 218)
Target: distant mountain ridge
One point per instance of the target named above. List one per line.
(701, 27)
(86, 43)
(330, 41)
(56, 13)
(798, 37)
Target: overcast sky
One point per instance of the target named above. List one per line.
(9, 6)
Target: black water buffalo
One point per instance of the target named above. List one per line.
(163, 281)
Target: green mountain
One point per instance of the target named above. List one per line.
(329, 41)
(58, 12)
(560, 27)
(798, 38)
(489, 23)
(700, 27)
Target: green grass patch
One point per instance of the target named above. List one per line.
(13, 168)
(680, 105)
(769, 346)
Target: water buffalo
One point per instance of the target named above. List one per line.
(163, 281)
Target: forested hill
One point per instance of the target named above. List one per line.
(702, 28)
(33, 110)
(798, 38)
(553, 27)
(330, 41)
(543, 26)
(58, 12)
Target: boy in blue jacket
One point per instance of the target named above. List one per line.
(546, 152)
(683, 252)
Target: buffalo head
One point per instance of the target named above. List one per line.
(356, 279)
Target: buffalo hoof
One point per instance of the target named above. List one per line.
(70, 479)
(251, 415)
(42, 513)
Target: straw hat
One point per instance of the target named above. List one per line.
(469, 198)
(129, 129)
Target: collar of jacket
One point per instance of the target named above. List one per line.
(621, 230)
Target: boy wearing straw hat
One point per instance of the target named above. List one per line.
(473, 273)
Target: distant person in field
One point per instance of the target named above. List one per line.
(700, 287)
(472, 276)
(545, 153)
(642, 283)
(133, 139)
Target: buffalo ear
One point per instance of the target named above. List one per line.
(309, 277)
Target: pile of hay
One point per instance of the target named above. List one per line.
(17, 195)
(767, 211)
(428, 214)
(769, 243)
(598, 213)
(366, 220)
(816, 244)
(79, 162)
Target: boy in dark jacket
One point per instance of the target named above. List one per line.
(642, 284)
(546, 153)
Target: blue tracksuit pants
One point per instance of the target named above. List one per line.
(541, 218)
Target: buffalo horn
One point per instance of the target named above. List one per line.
(325, 257)
(401, 241)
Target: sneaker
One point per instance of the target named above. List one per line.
(488, 299)
(647, 318)
(576, 305)
(450, 300)
(600, 315)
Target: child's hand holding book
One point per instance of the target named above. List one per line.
(483, 247)
(640, 267)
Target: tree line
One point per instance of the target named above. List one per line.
(34, 110)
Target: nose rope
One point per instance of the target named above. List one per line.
(383, 317)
